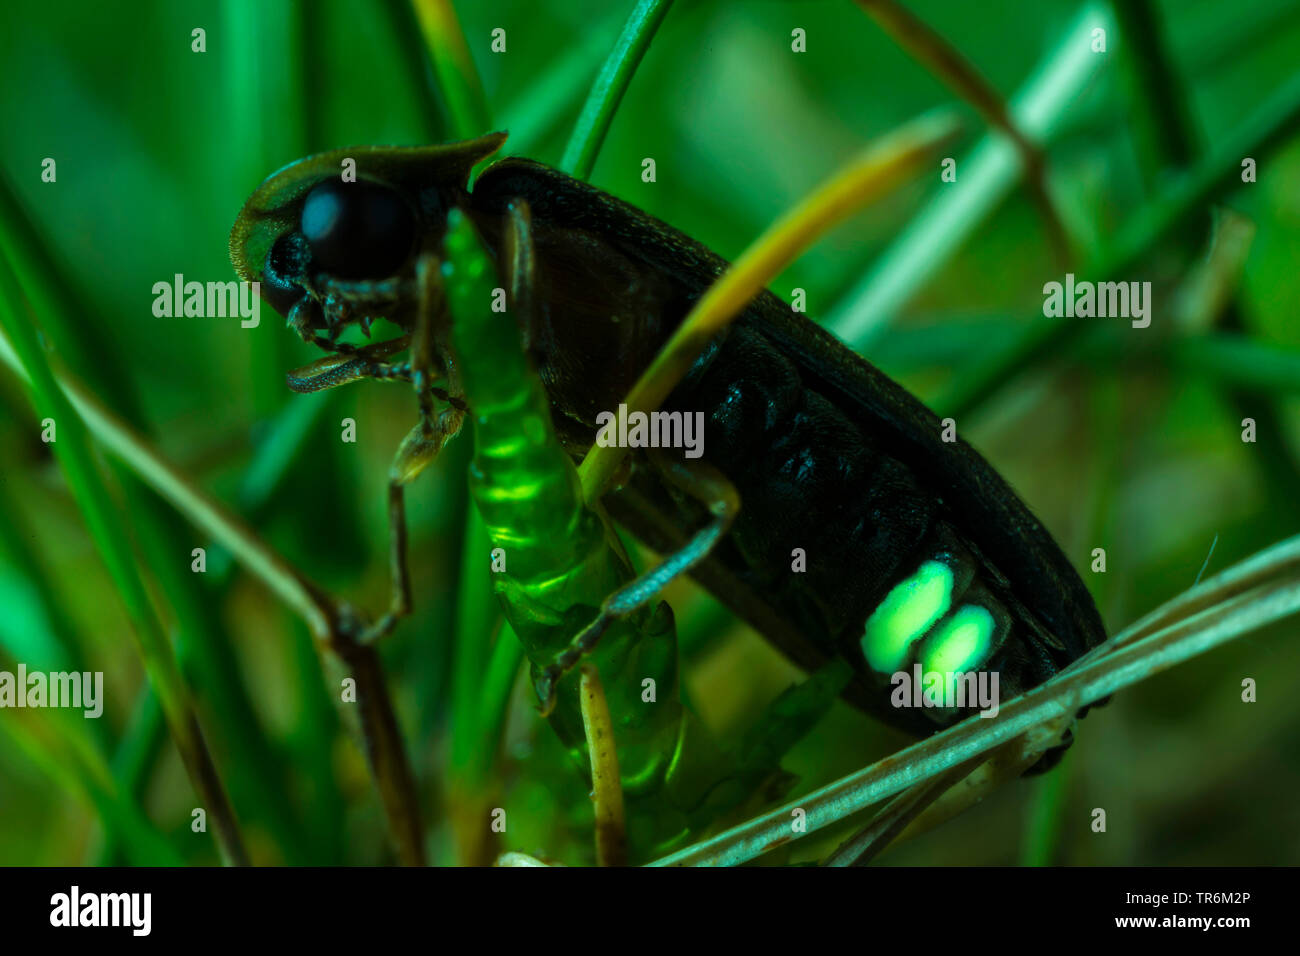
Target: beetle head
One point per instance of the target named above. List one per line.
(329, 251)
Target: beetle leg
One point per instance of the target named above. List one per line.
(343, 367)
(417, 450)
(699, 481)
(422, 443)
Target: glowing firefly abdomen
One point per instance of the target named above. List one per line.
(939, 615)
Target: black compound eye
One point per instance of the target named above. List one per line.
(357, 230)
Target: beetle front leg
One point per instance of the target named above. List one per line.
(698, 480)
(424, 337)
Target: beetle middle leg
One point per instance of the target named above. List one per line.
(422, 444)
(699, 481)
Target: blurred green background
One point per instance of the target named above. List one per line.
(1121, 438)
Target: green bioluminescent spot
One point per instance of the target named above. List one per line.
(961, 644)
(908, 611)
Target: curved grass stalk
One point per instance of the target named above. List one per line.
(615, 76)
(867, 844)
(109, 531)
(252, 767)
(872, 174)
(327, 617)
(1260, 590)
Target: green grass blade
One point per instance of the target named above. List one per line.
(611, 84)
(108, 529)
(69, 759)
(532, 117)
(1046, 817)
(1218, 171)
(454, 68)
(987, 176)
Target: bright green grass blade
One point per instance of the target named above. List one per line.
(611, 84)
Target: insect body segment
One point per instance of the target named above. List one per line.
(893, 574)
(910, 609)
(942, 619)
(561, 561)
